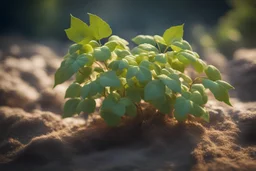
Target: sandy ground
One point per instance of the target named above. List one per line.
(34, 137)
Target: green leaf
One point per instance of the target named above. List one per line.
(86, 105)
(170, 83)
(163, 105)
(123, 64)
(95, 88)
(171, 55)
(161, 58)
(131, 110)
(140, 57)
(148, 47)
(173, 33)
(122, 53)
(134, 94)
(102, 53)
(186, 57)
(225, 84)
(185, 94)
(147, 64)
(154, 90)
(118, 39)
(196, 97)
(98, 69)
(83, 74)
(132, 71)
(175, 77)
(111, 45)
(79, 62)
(70, 66)
(197, 110)
(70, 107)
(186, 78)
(131, 60)
(73, 91)
(94, 44)
(157, 68)
(182, 108)
(133, 82)
(86, 48)
(177, 65)
(100, 29)
(112, 106)
(219, 92)
(200, 88)
(213, 73)
(121, 74)
(141, 73)
(74, 48)
(199, 65)
(165, 71)
(130, 107)
(85, 91)
(78, 31)
(144, 75)
(180, 45)
(63, 73)
(110, 118)
(145, 47)
(125, 101)
(109, 79)
(140, 39)
(91, 89)
(159, 39)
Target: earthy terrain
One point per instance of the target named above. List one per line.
(34, 137)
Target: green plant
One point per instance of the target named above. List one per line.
(153, 71)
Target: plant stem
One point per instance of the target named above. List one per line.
(80, 72)
(99, 42)
(139, 107)
(158, 47)
(104, 92)
(106, 66)
(166, 49)
(195, 81)
(98, 63)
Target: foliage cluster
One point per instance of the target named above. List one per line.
(153, 72)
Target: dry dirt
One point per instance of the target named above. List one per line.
(34, 137)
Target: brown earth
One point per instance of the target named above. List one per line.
(34, 137)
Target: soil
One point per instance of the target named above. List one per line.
(33, 136)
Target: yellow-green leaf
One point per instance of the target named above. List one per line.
(78, 31)
(173, 33)
(100, 29)
(213, 73)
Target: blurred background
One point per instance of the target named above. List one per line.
(32, 40)
(224, 24)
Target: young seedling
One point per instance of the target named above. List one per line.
(153, 71)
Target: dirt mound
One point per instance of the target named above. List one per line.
(27, 81)
(42, 140)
